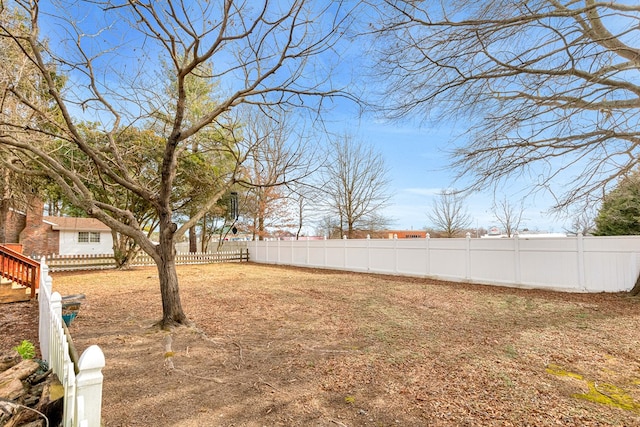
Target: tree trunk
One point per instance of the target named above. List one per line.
(172, 313)
(261, 233)
(125, 250)
(636, 288)
(204, 239)
(193, 240)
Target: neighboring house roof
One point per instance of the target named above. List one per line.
(75, 224)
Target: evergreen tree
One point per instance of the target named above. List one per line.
(620, 211)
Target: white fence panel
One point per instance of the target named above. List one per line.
(576, 264)
(549, 262)
(358, 255)
(316, 253)
(493, 260)
(413, 257)
(381, 257)
(610, 263)
(81, 396)
(448, 259)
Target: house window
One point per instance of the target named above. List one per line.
(88, 237)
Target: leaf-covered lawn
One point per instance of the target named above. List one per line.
(293, 347)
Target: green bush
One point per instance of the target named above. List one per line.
(26, 349)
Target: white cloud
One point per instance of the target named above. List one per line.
(422, 191)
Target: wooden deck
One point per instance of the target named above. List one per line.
(19, 276)
(12, 292)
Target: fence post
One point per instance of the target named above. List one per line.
(89, 386)
(44, 335)
(581, 281)
(53, 354)
(428, 255)
(324, 251)
(395, 251)
(345, 257)
(368, 252)
(264, 257)
(516, 257)
(467, 266)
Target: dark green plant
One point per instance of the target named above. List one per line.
(620, 211)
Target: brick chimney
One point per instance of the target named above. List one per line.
(11, 222)
(36, 235)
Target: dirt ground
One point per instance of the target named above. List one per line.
(293, 347)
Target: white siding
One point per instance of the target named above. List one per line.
(69, 244)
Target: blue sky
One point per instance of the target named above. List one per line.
(415, 153)
(419, 169)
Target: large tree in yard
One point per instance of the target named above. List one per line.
(261, 54)
(549, 89)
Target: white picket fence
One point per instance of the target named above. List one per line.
(106, 261)
(574, 264)
(81, 379)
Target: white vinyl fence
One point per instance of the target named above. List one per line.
(574, 264)
(81, 379)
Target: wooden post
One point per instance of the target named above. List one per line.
(89, 387)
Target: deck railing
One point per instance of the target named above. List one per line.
(19, 268)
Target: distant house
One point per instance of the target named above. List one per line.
(80, 235)
(405, 234)
(48, 235)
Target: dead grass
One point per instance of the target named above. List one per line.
(292, 347)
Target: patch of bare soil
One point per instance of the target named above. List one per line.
(18, 322)
(293, 347)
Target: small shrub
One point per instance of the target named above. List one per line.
(26, 349)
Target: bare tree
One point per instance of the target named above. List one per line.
(508, 215)
(303, 197)
(329, 227)
(279, 157)
(449, 214)
(583, 222)
(261, 53)
(549, 88)
(355, 181)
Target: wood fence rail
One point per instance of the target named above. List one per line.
(106, 261)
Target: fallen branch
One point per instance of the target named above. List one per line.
(240, 352)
